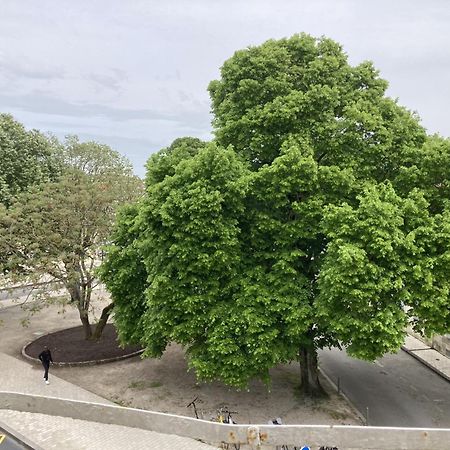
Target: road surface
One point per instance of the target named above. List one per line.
(397, 389)
(8, 442)
(24, 291)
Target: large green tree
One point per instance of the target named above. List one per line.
(57, 229)
(26, 158)
(318, 217)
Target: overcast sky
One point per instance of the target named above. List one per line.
(134, 74)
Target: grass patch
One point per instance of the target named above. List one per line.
(338, 415)
(333, 413)
(120, 402)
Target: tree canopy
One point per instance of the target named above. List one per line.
(317, 217)
(26, 158)
(58, 228)
(303, 89)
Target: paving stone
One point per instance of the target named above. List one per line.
(53, 432)
(62, 433)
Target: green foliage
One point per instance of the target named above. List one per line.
(304, 88)
(428, 168)
(191, 248)
(93, 159)
(164, 162)
(318, 217)
(378, 270)
(123, 270)
(26, 159)
(126, 277)
(61, 220)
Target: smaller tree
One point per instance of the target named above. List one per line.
(57, 229)
(26, 158)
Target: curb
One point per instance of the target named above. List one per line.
(426, 363)
(78, 363)
(82, 363)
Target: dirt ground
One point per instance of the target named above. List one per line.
(166, 385)
(69, 345)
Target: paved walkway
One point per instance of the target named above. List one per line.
(428, 356)
(53, 432)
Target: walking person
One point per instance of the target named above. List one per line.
(46, 358)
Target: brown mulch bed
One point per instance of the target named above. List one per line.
(69, 346)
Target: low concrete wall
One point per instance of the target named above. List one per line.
(439, 343)
(255, 436)
(442, 344)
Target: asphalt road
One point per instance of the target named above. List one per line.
(18, 292)
(397, 389)
(14, 293)
(7, 442)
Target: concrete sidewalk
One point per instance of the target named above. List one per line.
(53, 432)
(430, 357)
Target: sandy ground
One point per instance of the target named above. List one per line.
(166, 385)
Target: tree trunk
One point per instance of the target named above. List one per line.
(102, 322)
(309, 372)
(85, 321)
(77, 298)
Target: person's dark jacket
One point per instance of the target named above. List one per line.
(46, 357)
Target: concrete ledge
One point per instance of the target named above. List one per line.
(340, 436)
